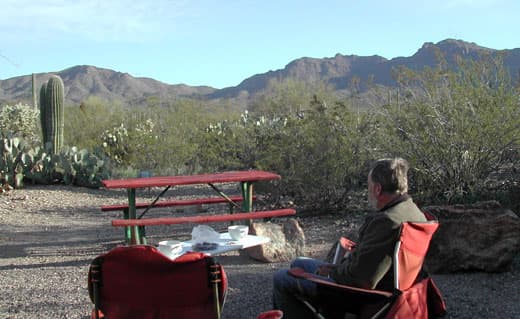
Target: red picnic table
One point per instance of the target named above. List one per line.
(135, 225)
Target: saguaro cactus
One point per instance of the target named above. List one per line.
(51, 113)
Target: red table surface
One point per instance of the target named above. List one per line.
(161, 181)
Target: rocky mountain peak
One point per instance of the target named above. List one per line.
(83, 81)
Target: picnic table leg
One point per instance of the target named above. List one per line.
(136, 237)
(127, 229)
(247, 195)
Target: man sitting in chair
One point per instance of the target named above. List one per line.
(369, 265)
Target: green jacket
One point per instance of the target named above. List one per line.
(369, 265)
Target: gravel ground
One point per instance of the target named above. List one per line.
(49, 235)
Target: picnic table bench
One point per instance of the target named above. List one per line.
(202, 219)
(231, 200)
(134, 225)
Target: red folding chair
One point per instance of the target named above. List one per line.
(415, 294)
(140, 282)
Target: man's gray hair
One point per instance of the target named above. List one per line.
(392, 174)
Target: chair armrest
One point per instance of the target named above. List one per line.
(300, 273)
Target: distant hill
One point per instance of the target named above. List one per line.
(341, 69)
(84, 81)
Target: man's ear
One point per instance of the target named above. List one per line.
(378, 189)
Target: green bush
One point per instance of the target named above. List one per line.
(85, 123)
(22, 121)
(158, 139)
(320, 151)
(456, 127)
(321, 156)
(117, 144)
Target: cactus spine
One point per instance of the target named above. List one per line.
(51, 113)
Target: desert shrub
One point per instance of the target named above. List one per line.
(218, 146)
(179, 128)
(284, 98)
(319, 150)
(322, 155)
(457, 128)
(160, 139)
(22, 121)
(85, 123)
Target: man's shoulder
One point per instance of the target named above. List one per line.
(405, 211)
(382, 220)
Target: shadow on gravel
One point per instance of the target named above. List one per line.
(187, 190)
(57, 242)
(61, 249)
(250, 292)
(72, 263)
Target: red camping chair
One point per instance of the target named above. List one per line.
(140, 282)
(415, 294)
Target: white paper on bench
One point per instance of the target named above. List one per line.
(225, 243)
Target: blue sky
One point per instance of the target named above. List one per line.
(219, 43)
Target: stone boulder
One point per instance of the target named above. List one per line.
(287, 241)
(479, 237)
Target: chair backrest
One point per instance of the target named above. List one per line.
(410, 252)
(141, 282)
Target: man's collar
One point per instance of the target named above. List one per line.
(399, 199)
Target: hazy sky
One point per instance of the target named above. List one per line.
(220, 43)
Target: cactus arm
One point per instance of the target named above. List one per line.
(43, 115)
(33, 87)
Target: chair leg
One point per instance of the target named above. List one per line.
(381, 311)
(315, 312)
(95, 279)
(215, 280)
(217, 301)
(96, 302)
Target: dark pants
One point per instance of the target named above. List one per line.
(285, 287)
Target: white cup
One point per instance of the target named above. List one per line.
(238, 232)
(170, 247)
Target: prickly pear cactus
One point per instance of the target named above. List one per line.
(51, 113)
(42, 167)
(82, 168)
(14, 161)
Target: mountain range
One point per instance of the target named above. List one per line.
(84, 81)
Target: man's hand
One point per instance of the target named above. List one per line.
(347, 244)
(324, 270)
